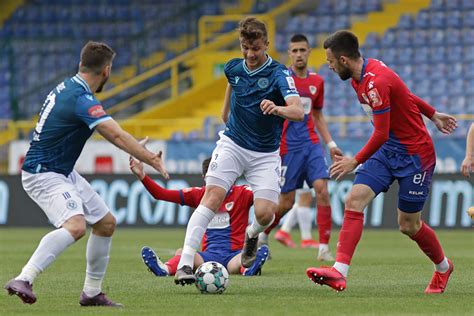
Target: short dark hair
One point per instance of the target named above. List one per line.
(95, 56)
(205, 165)
(343, 43)
(296, 38)
(252, 29)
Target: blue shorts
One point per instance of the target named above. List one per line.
(308, 164)
(384, 167)
(223, 257)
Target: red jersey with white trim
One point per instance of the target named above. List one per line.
(227, 228)
(393, 110)
(296, 135)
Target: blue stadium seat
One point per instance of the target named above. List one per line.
(422, 20)
(468, 19)
(406, 22)
(403, 38)
(438, 19)
(454, 19)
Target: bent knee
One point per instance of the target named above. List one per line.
(409, 228)
(77, 229)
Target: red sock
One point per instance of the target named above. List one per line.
(173, 264)
(324, 222)
(429, 243)
(349, 235)
(275, 223)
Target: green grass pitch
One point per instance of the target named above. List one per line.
(387, 277)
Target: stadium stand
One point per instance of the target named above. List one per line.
(433, 51)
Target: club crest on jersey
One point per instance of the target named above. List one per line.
(213, 165)
(313, 90)
(96, 111)
(263, 83)
(375, 98)
(229, 206)
(71, 205)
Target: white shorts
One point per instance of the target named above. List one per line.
(261, 170)
(62, 197)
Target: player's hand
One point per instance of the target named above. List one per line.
(136, 167)
(467, 166)
(342, 166)
(269, 108)
(335, 151)
(445, 123)
(156, 161)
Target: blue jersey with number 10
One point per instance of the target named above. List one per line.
(247, 126)
(67, 119)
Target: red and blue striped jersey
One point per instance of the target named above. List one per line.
(226, 231)
(296, 135)
(393, 109)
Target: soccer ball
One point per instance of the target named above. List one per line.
(212, 278)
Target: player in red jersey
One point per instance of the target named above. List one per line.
(303, 157)
(224, 237)
(400, 148)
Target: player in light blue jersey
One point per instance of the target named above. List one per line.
(260, 95)
(67, 119)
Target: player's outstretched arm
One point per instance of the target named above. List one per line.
(293, 111)
(112, 131)
(468, 163)
(226, 107)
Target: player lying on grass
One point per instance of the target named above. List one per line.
(224, 238)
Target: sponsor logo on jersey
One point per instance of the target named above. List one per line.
(375, 98)
(371, 84)
(313, 90)
(263, 83)
(286, 72)
(237, 78)
(220, 220)
(96, 111)
(291, 83)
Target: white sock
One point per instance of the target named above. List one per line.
(97, 256)
(49, 248)
(263, 238)
(305, 221)
(443, 266)
(255, 228)
(290, 219)
(342, 268)
(195, 230)
(323, 248)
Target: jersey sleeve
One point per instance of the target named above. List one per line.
(161, 193)
(90, 111)
(425, 109)
(228, 69)
(319, 101)
(379, 100)
(286, 83)
(192, 196)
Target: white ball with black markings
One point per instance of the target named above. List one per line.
(212, 278)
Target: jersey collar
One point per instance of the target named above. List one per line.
(254, 72)
(293, 73)
(77, 78)
(362, 72)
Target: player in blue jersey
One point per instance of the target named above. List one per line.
(260, 95)
(67, 119)
(303, 157)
